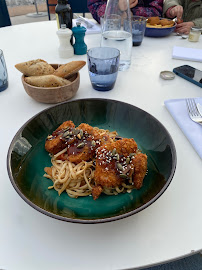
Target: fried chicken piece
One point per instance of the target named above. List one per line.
(106, 172)
(91, 139)
(153, 20)
(81, 142)
(171, 23)
(116, 163)
(103, 137)
(96, 191)
(167, 22)
(54, 142)
(140, 169)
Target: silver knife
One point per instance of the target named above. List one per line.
(199, 107)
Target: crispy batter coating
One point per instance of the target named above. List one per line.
(81, 142)
(103, 137)
(153, 20)
(140, 169)
(117, 162)
(66, 124)
(96, 191)
(88, 151)
(108, 173)
(159, 23)
(53, 143)
(164, 22)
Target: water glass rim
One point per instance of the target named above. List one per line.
(108, 17)
(1, 52)
(108, 48)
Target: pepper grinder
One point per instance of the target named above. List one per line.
(80, 47)
(65, 49)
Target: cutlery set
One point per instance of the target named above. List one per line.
(194, 110)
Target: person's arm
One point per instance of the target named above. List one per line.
(97, 8)
(168, 4)
(198, 22)
(155, 8)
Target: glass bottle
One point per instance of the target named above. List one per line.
(64, 14)
(117, 31)
(194, 34)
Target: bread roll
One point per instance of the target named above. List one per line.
(35, 68)
(46, 81)
(68, 69)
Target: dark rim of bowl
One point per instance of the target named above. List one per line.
(99, 220)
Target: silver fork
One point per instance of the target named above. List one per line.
(193, 111)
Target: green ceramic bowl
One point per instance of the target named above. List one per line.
(27, 158)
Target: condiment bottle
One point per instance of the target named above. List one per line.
(63, 14)
(65, 49)
(194, 34)
(80, 47)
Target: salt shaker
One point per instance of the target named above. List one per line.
(65, 49)
(80, 47)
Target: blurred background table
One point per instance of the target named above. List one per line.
(169, 229)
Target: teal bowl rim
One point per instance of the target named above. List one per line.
(99, 220)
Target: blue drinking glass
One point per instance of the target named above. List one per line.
(103, 65)
(138, 24)
(3, 73)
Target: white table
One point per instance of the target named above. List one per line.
(170, 228)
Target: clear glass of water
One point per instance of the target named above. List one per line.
(103, 65)
(118, 37)
(113, 22)
(3, 73)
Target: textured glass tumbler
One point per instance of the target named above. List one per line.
(103, 65)
(3, 73)
(138, 24)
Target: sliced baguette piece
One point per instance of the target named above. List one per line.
(46, 81)
(69, 69)
(36, 67)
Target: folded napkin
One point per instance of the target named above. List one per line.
(192, 130)
(96, 29)
(187, 54)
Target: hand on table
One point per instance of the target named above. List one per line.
(122, 4)
(184, 28)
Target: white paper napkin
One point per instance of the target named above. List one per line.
(187, 54)
(96, 29)
(192, 130)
